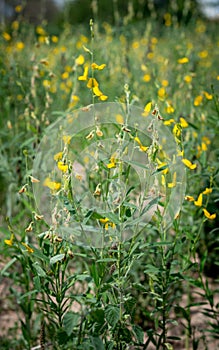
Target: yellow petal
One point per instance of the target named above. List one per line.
(189, 198)
(183, 60)
(79, 60)
(208, 215)
(189, 164)
(198, 203)
(183, 123)
(92, 83)
(148, 106)
(207, 191)
(58, 156)
(103, 97)
(111, 165)
(104, 220)
(9, 241)
(169, 121)
(29, 249)
(97, 91)
(63, 167)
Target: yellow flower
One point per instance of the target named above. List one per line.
(173, 183)
(183, 60)
(161, 93)
(62, 166)
(208, 215)
(189, 198)
(112, 163)
(103, 97)
(85, 74)
(165, 83)
(163, 180)
(52, 185)
(198, 203)
(206, 140)
(188, 79)
(6, 36)
(148, 106)
(54, 39)
(107, 223)
(46, 84)
(96, 66)
(189, 164)
(40, 31)
(18, 8)
(65, 75)
(204, 147)
(29, 249)
(20, 45)
(203, 54)
(208, 96)
(163, 165)
(183, 123)
(66, 139)
(169, 121)
(92, 83)
(168, 21)
(104, 220)
(198, 100)
(177, 130)
(97, 91)
(15, 25)
(207, 191)
(142, 148)
(74, 101)
(119, 119)
(19, 97)
(79, 60)
(147, 78)
(135, 45)
(170, 109)
(10, 241)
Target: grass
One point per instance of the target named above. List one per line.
(97, 258)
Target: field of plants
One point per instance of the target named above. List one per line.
(109, 184)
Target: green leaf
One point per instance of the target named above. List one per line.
(56, 258)
(139, 333)
(150, 269)
(70, 320)
(36, 282)
(113, 217)
(11, 262)
(139, 287)
(112, 314)
(97, 343)
(140, 165)
(94, 274)
(39, 270)
(106, 260)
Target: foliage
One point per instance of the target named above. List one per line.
(133, 292)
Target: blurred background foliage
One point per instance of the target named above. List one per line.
(58, 12)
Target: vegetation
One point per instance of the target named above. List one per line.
(109, 183)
